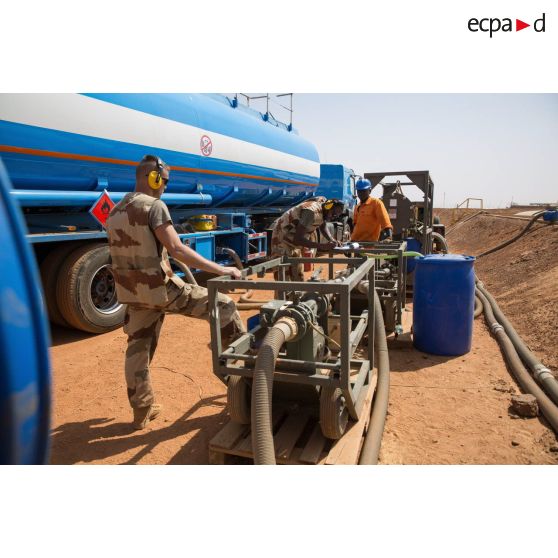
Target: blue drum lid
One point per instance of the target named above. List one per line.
(443, 258)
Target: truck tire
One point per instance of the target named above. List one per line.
(86, 292)
(50, 268)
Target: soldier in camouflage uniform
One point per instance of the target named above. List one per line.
(140, 234)
(292, 231)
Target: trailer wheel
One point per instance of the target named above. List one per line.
(50, 268)
(334, 415)
(390, 309)
(86, 292)
(239, 394)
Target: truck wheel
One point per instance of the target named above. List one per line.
(239, 396)
(50, 268)
(86, 292)
(334, 414)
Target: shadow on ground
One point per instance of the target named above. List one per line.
(61, 335)
(403, 357)
(101, 439)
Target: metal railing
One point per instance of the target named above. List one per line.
(270, 99)
(465, 203)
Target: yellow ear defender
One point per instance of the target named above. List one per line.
(329, 204)
(154, 180)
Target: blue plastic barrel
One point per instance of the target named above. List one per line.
(443, 304)
(413, 245)
(24, 364)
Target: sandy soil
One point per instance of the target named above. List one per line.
(452, 410)
(522, 276)
(91, 419)
(442, 410)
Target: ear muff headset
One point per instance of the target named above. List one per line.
(329, 204)
(154, 178)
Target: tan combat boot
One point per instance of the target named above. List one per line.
(144, 415)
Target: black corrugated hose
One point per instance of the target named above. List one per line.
(371, 447)
(547, 407)
(516, 237)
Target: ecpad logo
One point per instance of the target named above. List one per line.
(493, 25)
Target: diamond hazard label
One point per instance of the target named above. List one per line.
(101, 208)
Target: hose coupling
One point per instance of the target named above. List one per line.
(289, 327)
(542, 373)
(496, 327)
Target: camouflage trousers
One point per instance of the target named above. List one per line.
(143, 325)
(294, 272)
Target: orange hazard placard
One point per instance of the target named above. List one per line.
(101, 208)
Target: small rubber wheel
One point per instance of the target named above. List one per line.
(86, 290)
(334, 415)
(239, 395)
(50, 268)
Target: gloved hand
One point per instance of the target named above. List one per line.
(326, 246)
(386, 236)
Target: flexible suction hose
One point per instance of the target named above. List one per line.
(541, 373)
(262, 390)
(442, 240)
(372, 442)
(478, 307)
(189, 276)
(235, 257)
(516, 237)
(245, 301)
(547, 407)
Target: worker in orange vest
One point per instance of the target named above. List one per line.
(370, 218)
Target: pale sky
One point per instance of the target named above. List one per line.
(491, 146)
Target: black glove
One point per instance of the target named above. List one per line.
(386, 235)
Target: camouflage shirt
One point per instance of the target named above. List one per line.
(308, 213)
(140, 263)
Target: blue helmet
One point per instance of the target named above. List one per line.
(363, 184)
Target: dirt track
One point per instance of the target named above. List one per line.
(442, 410)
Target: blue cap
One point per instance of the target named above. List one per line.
(363, 184)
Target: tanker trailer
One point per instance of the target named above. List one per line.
(65, 152)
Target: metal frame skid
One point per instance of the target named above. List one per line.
(351, 375)
(390, 286)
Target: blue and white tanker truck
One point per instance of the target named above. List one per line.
(63, 151)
